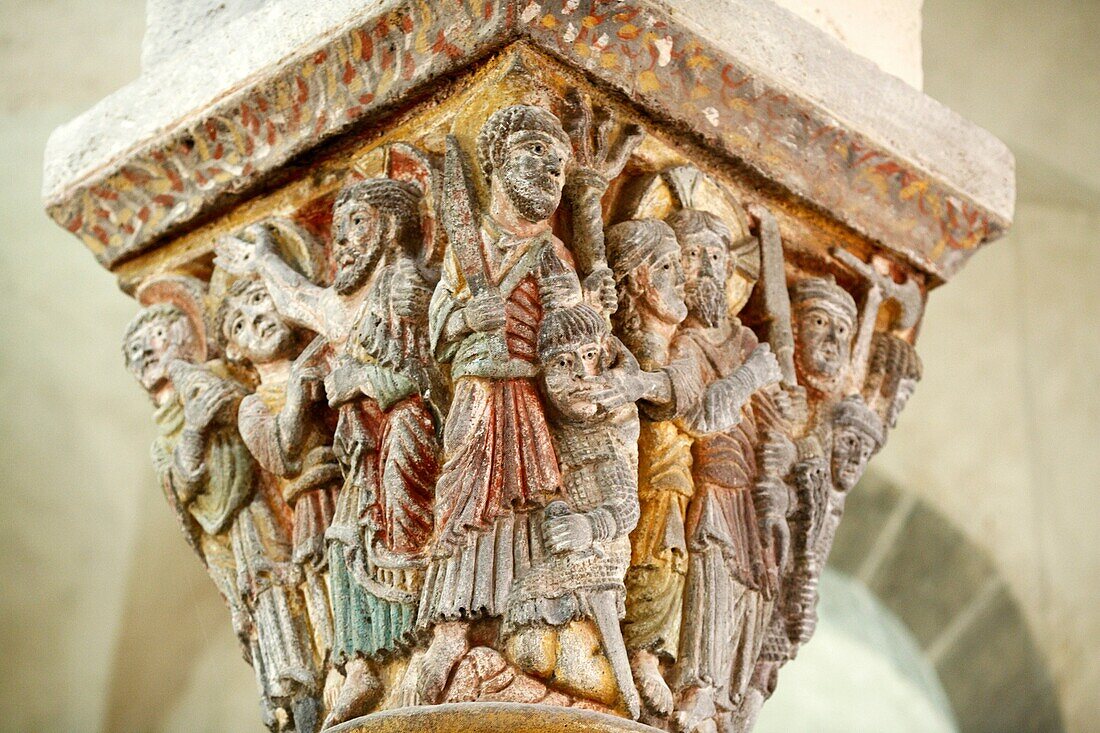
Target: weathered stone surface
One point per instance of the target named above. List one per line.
(784, 99)
(551, 385)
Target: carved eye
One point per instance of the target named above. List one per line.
(819, 321)
(538, 148)
(667, 266)
(257, 298)
(357, 220)
(159, 333)
(842, 330)
(238, 325)
(590, 355)
(563, 362)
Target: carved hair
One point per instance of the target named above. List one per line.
(167, 311)
(853, 412)
(686, 222)
(564, 329)
(638, 242)
(630, 245)
(893, 360)
(399, 200)
(503, 123)
(825, 292)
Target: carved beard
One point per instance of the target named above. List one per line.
(706, 301)
(353, 276)
(534, 196)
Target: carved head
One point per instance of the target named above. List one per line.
(857, 435)
(645, 258)
(824, 316)
(572, 350)
(251, 327)
(523, 151)
(156, 336)
(705, 253)
(892, 376)
(368, 218)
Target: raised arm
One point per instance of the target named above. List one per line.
(296, 298)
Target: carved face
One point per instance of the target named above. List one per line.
(824, 343)
(357, 244)
(705, 258)
(532, 173)
(156, 342)
(664, 293)
(905, 390)
(253, 328)
(852, 449)
(567, 376)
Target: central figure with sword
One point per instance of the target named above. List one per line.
(503, 270)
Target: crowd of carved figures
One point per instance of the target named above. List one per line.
(440, 455)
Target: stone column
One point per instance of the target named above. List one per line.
(512, 359)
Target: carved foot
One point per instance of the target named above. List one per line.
(449, 644)
(655, 692)
(696, 712)
(361, 689)
(333, 682)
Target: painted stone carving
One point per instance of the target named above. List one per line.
(531, 410)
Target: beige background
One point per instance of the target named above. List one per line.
(108, 623)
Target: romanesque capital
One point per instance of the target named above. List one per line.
(512, 360)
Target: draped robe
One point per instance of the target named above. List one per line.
(500, 463)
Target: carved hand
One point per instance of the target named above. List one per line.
(201, 411)
(343, 382)
(601, 284)
(241, 257)
(485, 312)
(568, 533)
(598, 160)
(763, 367)
(409, 298)
(779, 534)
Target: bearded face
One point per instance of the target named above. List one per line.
(254, 329)
(705, 260)
(852, 449)
(823, 344)
(532, 173)
(154, 344)
(357, 244)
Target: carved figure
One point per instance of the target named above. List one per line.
(502, 271)
(824, 326)
(892, 376)
(493, 466)
(586, 530)
(286, 433)
(645, 259)
(373, 319)
(219, 482)
(733, 552)
(158, 335)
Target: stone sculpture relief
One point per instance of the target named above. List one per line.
(527, 417)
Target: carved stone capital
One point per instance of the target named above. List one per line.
(522, 353)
